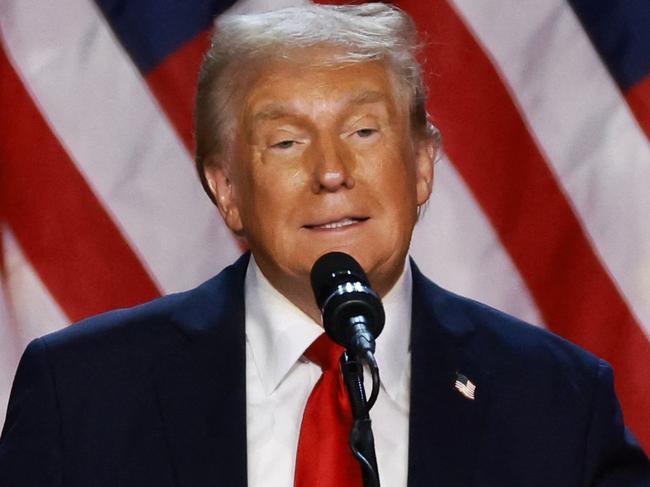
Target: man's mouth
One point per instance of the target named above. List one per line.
(333, 225)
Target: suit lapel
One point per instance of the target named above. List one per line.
(200, 384)
(445, 426)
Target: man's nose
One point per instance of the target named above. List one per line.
(333, 167)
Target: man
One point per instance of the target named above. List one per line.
(311, 137)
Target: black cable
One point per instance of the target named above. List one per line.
(361, 440)
(369, 358)
(371, 475)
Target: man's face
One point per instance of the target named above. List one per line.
(323, 159)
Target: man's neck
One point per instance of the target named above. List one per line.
(297, 289)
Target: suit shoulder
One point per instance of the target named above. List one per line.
(521, 343)
(509, 333)
(148, 327)
(131, 323)
(505, 341)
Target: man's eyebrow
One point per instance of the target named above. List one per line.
(272, 112)
(367, 97)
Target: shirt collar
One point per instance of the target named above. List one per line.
(278, 332)
(393, 345)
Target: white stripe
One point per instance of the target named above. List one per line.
(9, 349)
(583, 124)
(26, 311)
(456, 246)
(34, 309)
(8, 355)
(104, 114)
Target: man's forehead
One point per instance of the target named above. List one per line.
(275, 109)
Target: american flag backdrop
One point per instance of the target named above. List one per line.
(541, 204)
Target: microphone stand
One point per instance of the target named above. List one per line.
(362, 441)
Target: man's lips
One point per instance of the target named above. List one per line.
(336, 224)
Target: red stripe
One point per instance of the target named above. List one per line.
(173, 83)
(74, 246)
(638, 97)
(490, 145)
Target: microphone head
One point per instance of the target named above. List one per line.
(331, 270)
(342, 292)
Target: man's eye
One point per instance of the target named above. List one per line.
(285, 144)
(363, 133)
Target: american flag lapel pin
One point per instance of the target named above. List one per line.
(465, 386)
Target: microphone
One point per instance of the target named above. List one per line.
(353, 315)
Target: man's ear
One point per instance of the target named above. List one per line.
(223, 189)
(425, 154)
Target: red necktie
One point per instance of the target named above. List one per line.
(324, 457)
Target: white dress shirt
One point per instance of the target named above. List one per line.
(279, 380)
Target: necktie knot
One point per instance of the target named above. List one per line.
(324, 352)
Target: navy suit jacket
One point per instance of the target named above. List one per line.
(155, 396)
